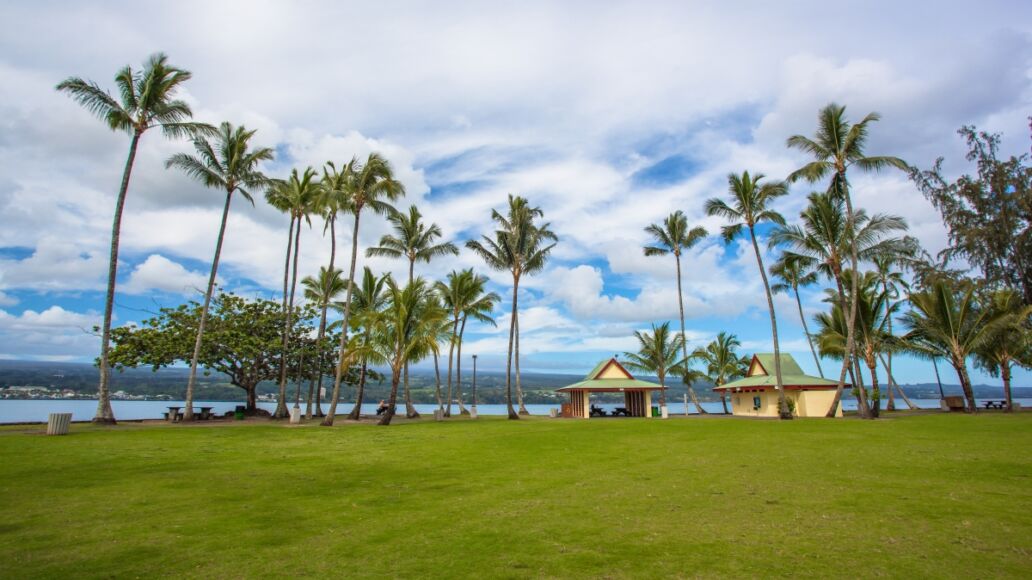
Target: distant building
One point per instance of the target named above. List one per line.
(609, 376)
(755, 394)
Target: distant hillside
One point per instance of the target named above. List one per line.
(538, 387)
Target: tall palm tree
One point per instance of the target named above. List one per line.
(722, 361)
(372, 185)
(837, 147)
(407, 331)
(1010, 343)
(416, 241)
(297, 196)
(822, 243)
(658, 352)
(750, 201)
(334, 199)
(948, 323)
(367, 303)
(790, 273)
(146, 101)
(224, 163)
(893, 283)
(874, 311)
(479, 304)
(321, 290)
(521, 247)
(463, 295)
(673, 236)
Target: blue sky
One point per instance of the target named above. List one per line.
(608, 116)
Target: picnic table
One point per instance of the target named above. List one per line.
(994, 404)
(621, 411)
(205, 413)
(597, 411)
(173, 414)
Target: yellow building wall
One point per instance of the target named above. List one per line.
(612, 372)
(807, 403)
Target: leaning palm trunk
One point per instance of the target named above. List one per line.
(437, 383)
(451, 360)
(458, 368)
(104, 412)
(783, 410)
(965, 383)
(508, 364)
(806, 330)
(392, 401)
(281, 403)
(188, 413)
(356, 411)
(684, 345)
(322, 332)
(519, 389)
(328, 420)
(894, 384)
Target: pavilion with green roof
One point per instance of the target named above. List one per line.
(609, 376)
(755, 394)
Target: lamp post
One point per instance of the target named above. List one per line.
(473, 410)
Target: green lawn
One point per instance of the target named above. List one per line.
(923, 496)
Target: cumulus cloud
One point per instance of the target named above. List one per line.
(158, 273)
(54, 333)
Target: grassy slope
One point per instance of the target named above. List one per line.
(920, 496)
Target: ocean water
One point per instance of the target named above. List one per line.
(20, 411)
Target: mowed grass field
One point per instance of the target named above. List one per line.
(922, 496)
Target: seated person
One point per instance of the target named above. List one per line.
(382, 407)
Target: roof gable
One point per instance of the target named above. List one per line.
(763, 365)
(610, 369)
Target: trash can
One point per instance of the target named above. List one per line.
(57, 423)
(655, 411)
(238, 414)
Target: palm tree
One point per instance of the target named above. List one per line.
(658, 353)
(334, 199)
(1010, 343)
(893, 281)
(837, 147)
(296, 195)
(479, 304)
(790, 273)
(415, 241)
(674, 237)
(372, 185)
(407, 331)
(948, 323)
(520, 247)
(321, 290)
(874, 311)
(368, 302)
(463, 296)
(822, 244)
(722, 361)
(226, 164)
(749, 206)
(147, 101)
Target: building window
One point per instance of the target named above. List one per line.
(756, 403)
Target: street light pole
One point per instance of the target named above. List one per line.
(474, 409)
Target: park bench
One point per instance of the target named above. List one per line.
(994, 404)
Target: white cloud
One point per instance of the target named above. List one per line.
(55, 333)
(158, 273)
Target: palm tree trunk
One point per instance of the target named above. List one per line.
(356, 411)
(322, 331)
(519, 389)
(410, 409)
(437, 382)
(893, 383)
(188, 413)
(451, 359)
(328, 420)
(299, 378)
(938, 380)
(872, 367)
(684, 341)
(512, 335)
(281, 403)
(104, 412)
(458, 367)
(837, 399)
(965, 383)
(783, 410)
(1005, 372)
(855, 281)
(723, 401)
(806, 330)
(392, 401)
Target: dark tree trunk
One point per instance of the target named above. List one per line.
(104, 412)
(451, 360)
(356, 411)
(684, 341)
(392, 402)
(410, 409)
(188, 414)
(512, 334)
(783, 410)
(965, 383)
(328, 420)
(1005, 372)
(437, 382)
(872, 367)
(252, 399)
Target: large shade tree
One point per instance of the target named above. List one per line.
(673, 236)
(749, 206)
(416, 241)
(372, 186)
(227, 163)
(837, 147)
(146, 100)
(521, 247)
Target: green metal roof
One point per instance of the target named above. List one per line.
(590, 382)
(596, 370)
(792, 375)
